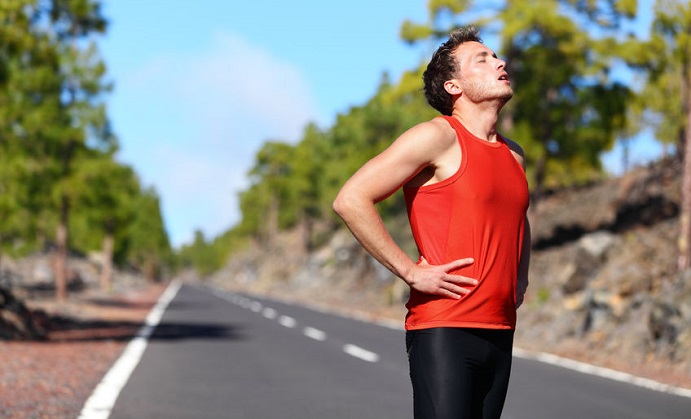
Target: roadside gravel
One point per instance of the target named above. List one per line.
(53, 378)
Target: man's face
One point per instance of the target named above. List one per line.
(482, 76)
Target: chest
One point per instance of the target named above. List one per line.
(492, 179)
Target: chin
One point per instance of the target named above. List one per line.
(505, 96)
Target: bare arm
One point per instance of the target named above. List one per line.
(524, 264)
(522, 282)
(418, 148)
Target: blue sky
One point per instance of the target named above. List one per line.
(200, 85)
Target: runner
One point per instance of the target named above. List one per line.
(467, 196)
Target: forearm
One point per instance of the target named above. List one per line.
(364, 222)
(524, 264)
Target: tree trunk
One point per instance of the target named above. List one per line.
(272, 221)
(62, 236)
(150, 269)
(625, 154)
(61, 253)
(685, 216)
(684, 243)
(107, 267)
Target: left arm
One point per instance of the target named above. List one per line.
(524, 263)
(522, 281)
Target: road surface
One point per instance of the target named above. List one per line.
(217, 354)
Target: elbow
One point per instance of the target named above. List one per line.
(340, 205)
(336, 206)
(344, 204)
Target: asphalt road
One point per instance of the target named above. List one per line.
(221, 355)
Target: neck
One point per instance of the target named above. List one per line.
(480, 119)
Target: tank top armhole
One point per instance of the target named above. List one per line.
(460, 138)
(461, 167)
(506, 143)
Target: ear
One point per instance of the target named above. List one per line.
(453, 87)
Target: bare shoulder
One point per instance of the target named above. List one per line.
(435, 134)
(437, 127)
(516, 150)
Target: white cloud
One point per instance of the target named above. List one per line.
(192, 123)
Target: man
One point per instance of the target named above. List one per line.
(467, 196)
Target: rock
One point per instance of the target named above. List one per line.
(42, 273)
(597, 244)
(588, 258)
(571, 279)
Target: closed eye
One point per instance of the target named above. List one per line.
(482, 56)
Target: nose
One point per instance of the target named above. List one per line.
(501, 64)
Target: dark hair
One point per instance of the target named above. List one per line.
(443, 67)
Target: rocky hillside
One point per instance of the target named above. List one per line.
(604, 284)
(603, 280)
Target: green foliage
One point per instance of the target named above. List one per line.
(104, 204)
(207, 257)
(665, 61)
(148, 245)
(560, 70)
(200, 255)
(411, 32)
(566, 111)
(57, 148)
(543, 295)
(296, 184)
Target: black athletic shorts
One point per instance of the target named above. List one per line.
(459, 373)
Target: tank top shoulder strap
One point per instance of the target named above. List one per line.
(456, 125)
(461, 139)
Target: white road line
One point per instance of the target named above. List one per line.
(101, 402)
(269, 313)
(315, 334)
(601, 372)
(287, 321)
(360, 353)
(256, 306)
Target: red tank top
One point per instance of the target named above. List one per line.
(478, 212)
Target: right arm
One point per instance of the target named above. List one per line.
(415, 150)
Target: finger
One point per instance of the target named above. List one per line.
(447, 293)
(459, 279)
(459, 263)
(454, 291)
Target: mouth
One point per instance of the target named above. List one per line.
(504, 77)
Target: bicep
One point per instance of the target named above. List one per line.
(387, 172)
